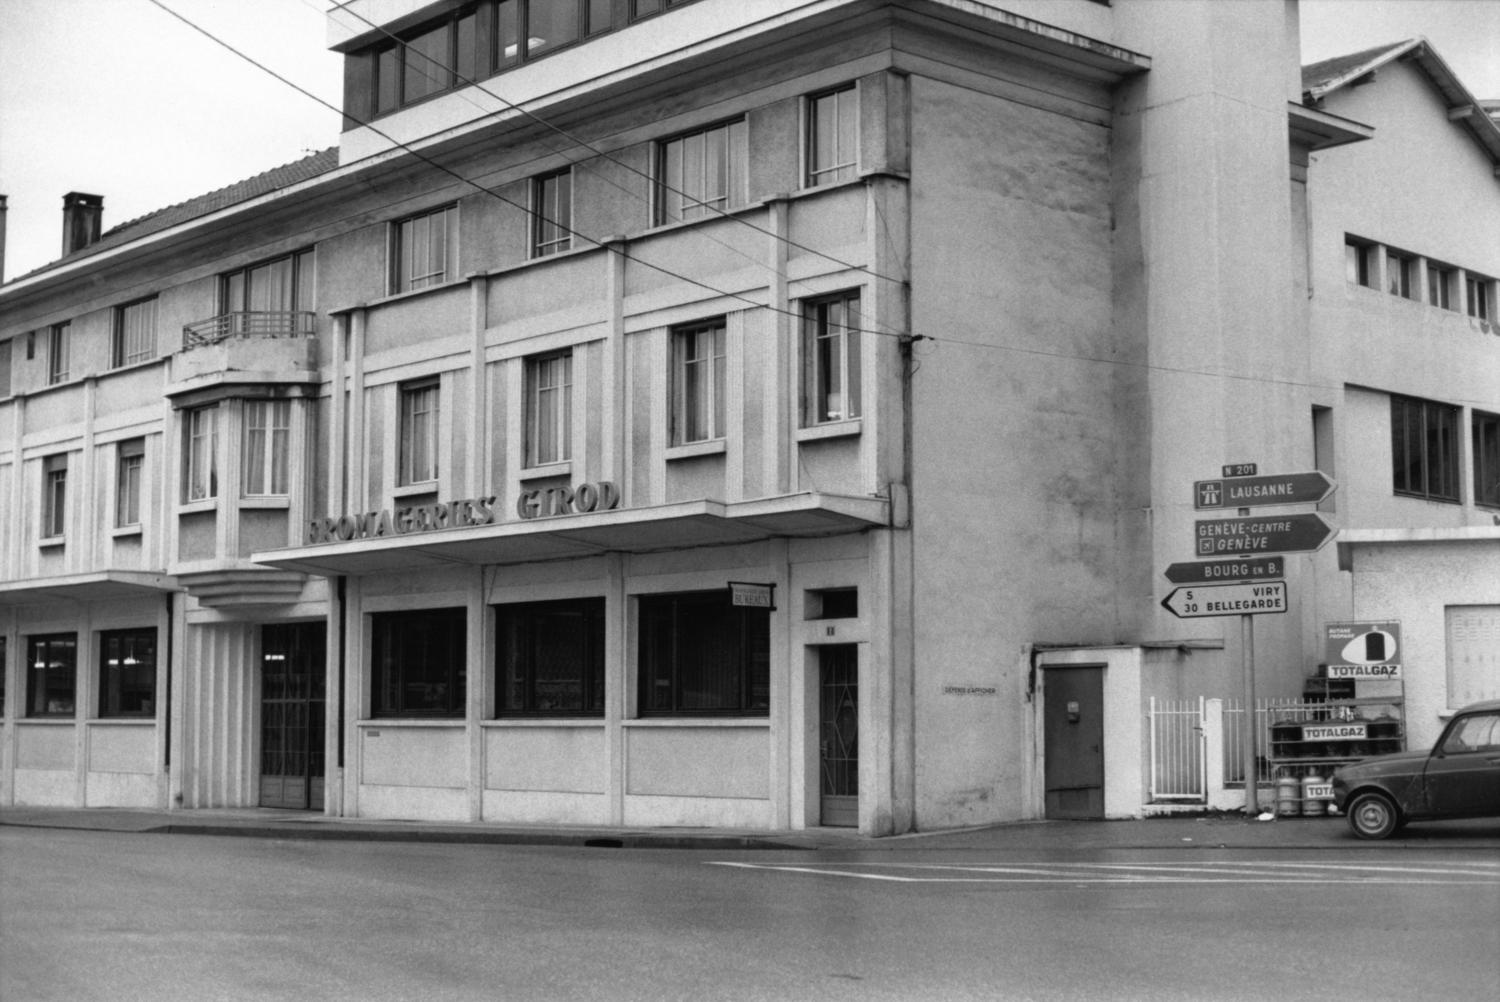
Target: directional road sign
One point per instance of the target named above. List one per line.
(1248, 569)
(1226, 600)
(1252, 492)
(1223, 537)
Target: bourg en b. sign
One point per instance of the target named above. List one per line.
(1206, 571)
(1226, 600)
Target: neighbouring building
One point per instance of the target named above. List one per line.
(751, 415)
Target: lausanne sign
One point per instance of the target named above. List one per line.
(1251, 492)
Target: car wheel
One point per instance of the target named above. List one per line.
(1373, 816)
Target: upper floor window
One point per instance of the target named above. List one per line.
(830, 359)
(419, 433)
(127, 673)
(1486, 436)
(267, 450)
(1401, 275)
(419, 663)
(552, 213)
(550, 657)
(281, 285)
(832, 136)
(435, 57)
(698, 383)
(1440, 279)
(1359, 262)
(58, 336)
(702, 172)
(1477, 297)
(2, 676)
(51, 675)
(5, 368)
(1424, 448)
(424, 250)
(135, 333)
(200, 471)
(549, 409)
(55, 496)
(130, 464)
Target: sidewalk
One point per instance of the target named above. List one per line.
(1209, 831)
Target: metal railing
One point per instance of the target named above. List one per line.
(1234, 716)
(1177, 750)
(269, 323)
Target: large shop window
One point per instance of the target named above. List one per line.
(698, 383)
(135, 333)
(424, 250)
(200, 470)
(419, 433)
(701, 656)
(1424, 448)
(830, 359)
(549, 409)
(127, 673)
(702, 172)
(268, 431)
(549, 658)
(51, 674)
(419, 666)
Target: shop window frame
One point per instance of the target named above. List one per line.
(451, 676)
(519, 636)
(119, 652)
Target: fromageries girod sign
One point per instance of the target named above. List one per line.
(535, 503)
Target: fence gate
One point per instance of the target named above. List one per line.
(1177, 751)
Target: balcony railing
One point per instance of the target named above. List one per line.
(274, 323)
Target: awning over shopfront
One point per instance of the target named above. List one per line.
(96, 586)
(680, 526)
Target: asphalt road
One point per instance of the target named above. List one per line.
(98, 915)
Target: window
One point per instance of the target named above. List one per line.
(1477, 297)
(1485, 429)
(130, 463)
(268, 431)
(1424, 446)
(1359, 260)
(1400, 274)
(1473, 647)
(5, 350)
(700, 655)
(424, 250)
(127, 673)
(549, 409)
(549, 657)
(282, 285)
(420, 663)
(57, 353)
(698, 383)
(435, 57)
(135, 333)
(419, 433)
(830, 357)
(2, 676)
(51, 675)
(55, 496)
(552, 213)
(601, 16)
(832, 136)
(201, 447)
(701, 172)
(646, 8)
(1440, 285)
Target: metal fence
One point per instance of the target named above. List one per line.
(1177, 750)
(1284, 708)
(267, 323)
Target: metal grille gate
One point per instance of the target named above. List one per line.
(1178, 750)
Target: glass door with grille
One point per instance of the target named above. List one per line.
(838, 730)
(291, 715)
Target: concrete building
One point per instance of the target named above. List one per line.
(704, 413)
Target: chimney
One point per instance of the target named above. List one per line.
(2, 239)
(82, 216)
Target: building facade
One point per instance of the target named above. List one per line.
(693, 413)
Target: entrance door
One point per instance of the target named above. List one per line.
(1073, 742)
(291, 715)
(838, 730)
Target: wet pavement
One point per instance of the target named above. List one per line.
(1197, 831)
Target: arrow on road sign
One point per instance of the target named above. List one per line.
(1203, 571)
(1260, 534)
(1252, 492)
(1226, 600)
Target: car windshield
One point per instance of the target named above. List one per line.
(1477, 732)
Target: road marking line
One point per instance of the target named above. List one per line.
(1050, 875)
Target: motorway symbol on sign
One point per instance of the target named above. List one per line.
(1226, 600)
(1251, 568)
(1251, 492)
(1260, 534)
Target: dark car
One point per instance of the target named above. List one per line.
(1458, 778)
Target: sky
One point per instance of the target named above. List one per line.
(118, 98)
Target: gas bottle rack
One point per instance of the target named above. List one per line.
(1338, 722)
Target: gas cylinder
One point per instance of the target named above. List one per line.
(1311, 808)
